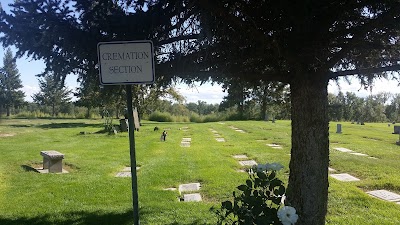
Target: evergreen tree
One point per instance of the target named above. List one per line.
(10, 83)
(52, 93)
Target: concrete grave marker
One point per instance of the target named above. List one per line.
(248, 163)
(220, 139)
(344, 177)
(274, 146)
(240, 156)
(52, 161)
(186, 139)
(385, 195)
(185, 144)
(169, 189)
(331, 169)
(189, 187)
(196, 197)
(240, 131)
(123, 174)
(359, 154)
(128, 169)
(343, 150)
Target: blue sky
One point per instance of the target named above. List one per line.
(28, 68)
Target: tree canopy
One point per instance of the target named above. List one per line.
(10, 83)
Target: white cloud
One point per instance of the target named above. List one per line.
(29, 91)
(212, 94)
(379, 85)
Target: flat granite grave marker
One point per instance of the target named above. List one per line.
(344, 177)
(126, 172)
(385, 195)
(331, 169)
(123, 174)
(240, 131)
(189, 187)
(240, 156)
(359, 154)
(274, 146)
(186, 139)
(185, 144)
(170, 189)
(248, 163)
(220, 139)
(195, 197)
(343, 150)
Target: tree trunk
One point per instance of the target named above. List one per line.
(53, 109)
(88, 112)
(8, 110)
(263, 112)
(308, 179)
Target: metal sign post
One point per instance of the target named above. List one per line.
(132, 152)
(127, 63)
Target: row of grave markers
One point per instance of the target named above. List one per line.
(192, 187)
(381, 194)
(217, 136)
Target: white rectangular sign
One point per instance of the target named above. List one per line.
(128, 62)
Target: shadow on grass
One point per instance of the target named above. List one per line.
(81, 218)
(78, 218)
(29, 168)
(20, 125)
(67, 125)
(197, 222)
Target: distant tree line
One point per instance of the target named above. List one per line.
(381, 107)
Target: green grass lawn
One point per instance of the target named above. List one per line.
(91, 194)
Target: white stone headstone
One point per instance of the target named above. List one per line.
(385, 195)
(344, 177)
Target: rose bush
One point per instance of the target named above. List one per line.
(259, 201)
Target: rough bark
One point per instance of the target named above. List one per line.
(263, 107)
(308, 180)
(8, 111)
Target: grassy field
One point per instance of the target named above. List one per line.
(91, 194)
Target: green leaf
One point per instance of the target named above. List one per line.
(227, 205)
(262, 175)
(242, 187)
(249, 183)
